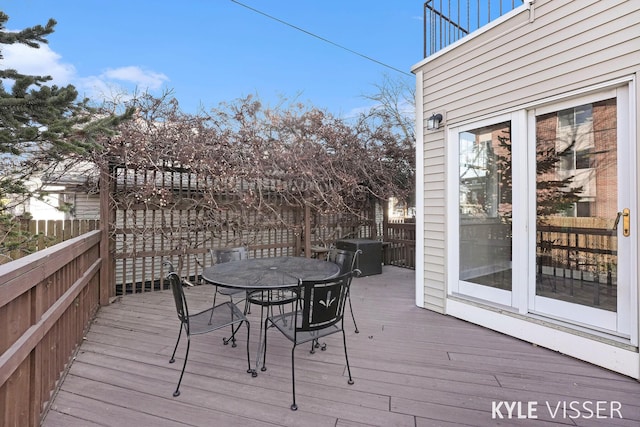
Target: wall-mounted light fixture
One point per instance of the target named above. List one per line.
(434, 121)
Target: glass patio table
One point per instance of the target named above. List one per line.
(269, 273)
(266, 275)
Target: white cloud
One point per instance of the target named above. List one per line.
(142, 78)
(115, 82)
(99, 89)
(120, 84)
(40, 62)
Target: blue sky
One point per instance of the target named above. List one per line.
(213, 51)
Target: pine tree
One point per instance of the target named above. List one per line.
(40, 125)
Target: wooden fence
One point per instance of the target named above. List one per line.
(47, 300)
(52, 232)
(137, 262)
(49, 233)
(181, 221)
(139, 257)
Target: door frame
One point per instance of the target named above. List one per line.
(514, 298)
(623, 322)
(524, 202)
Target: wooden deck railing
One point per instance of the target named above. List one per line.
(400, 244)
(46, 302)
(577, 252)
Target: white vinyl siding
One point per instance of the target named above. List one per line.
(434, 220)
(558, 47)
(87, 206)
(567, 47)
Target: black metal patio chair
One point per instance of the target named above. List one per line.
(347, 260)
(211, 319)
(317, 313)
(219, 256)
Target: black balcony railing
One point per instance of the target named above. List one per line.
(447, 21)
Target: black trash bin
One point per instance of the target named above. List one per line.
(370, 260)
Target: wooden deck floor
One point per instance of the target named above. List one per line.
(411, 367)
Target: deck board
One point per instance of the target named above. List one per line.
(411, 367)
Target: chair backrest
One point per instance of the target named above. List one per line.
(354, 260)
(169, 265)
(178, 296)
(229, 254)
(322, 302)
(345, 259)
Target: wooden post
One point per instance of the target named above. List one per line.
(107, 218)
(373, 220)
(307, 231)
(38, 355)
(385, 221)
(385, 233)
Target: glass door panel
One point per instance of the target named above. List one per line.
(577, 205)
(485, 208)
(584, 199)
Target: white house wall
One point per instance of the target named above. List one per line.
(47, 208)
(536, 52)
(87, 206)
(434, 223)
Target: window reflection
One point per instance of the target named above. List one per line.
(485, 205)
(577, 191)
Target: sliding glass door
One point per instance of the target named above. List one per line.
(541, 211)
(583, 210)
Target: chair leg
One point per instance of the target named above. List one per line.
(247, 310)
(215, 293)
(294, 407)
(351, 309)
(173, 355)
(344, 340)
(232, 338)
(264, 342)
(316, 344)
(184, 365)
(249, 370)
(247, 305)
